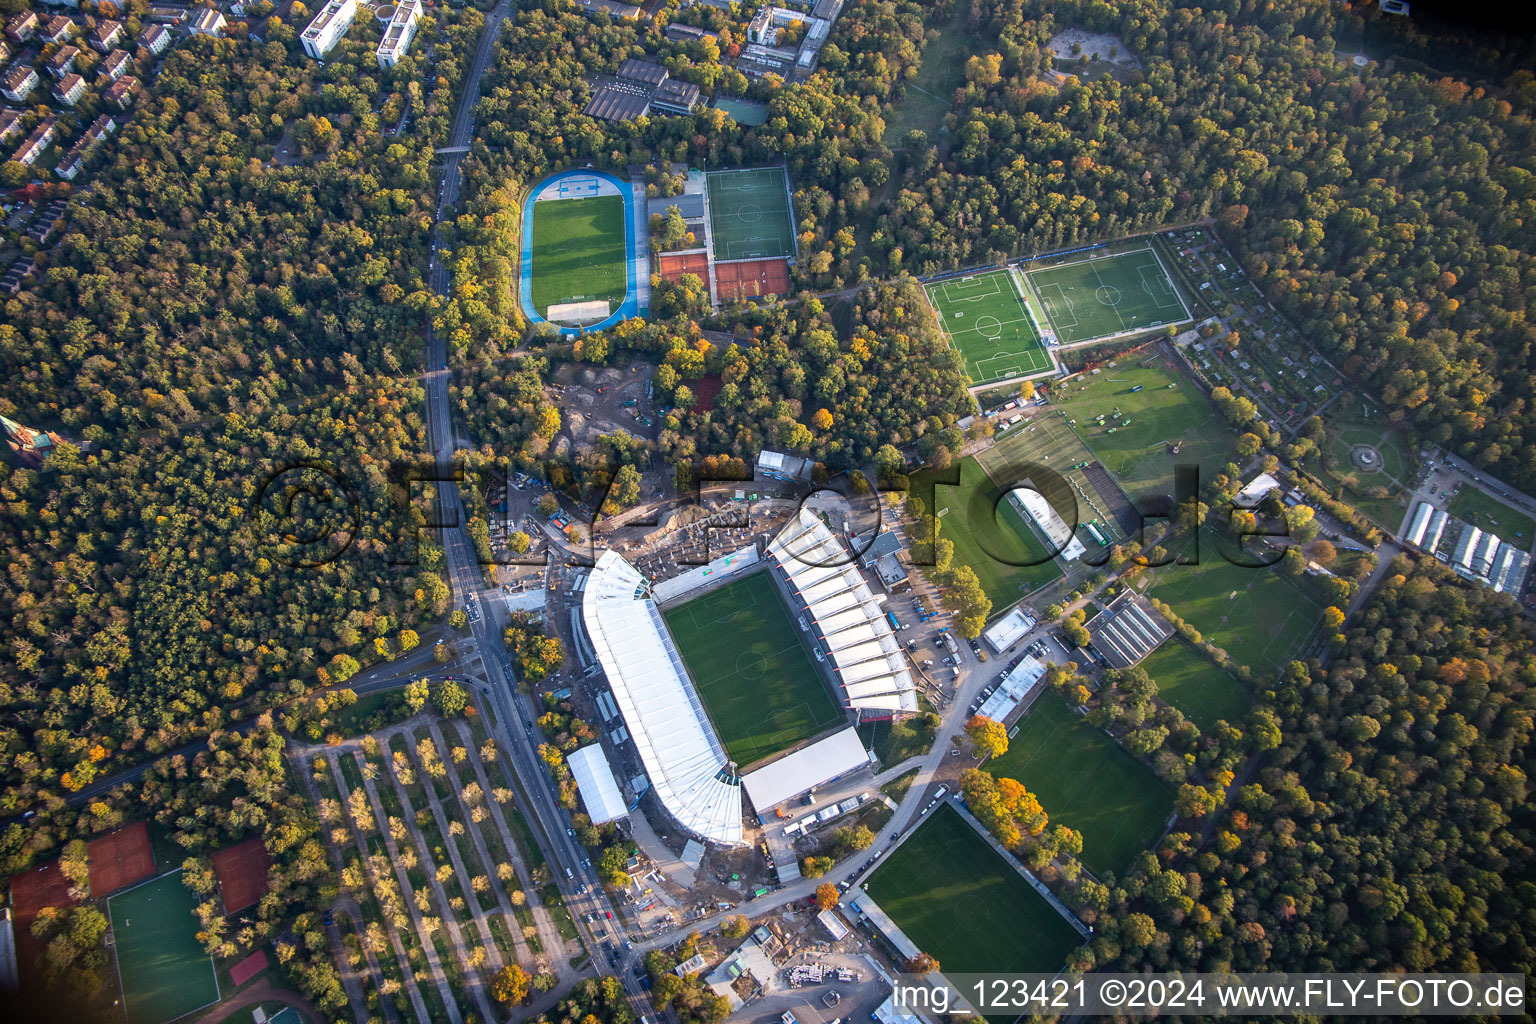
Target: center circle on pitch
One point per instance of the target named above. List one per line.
(751, 665)
(989, 326)
(750, 212)
(1108, 294)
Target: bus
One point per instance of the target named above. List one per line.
(891, 618)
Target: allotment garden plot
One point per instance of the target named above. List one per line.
(746, 656)
(988, 321)
(1107, 295)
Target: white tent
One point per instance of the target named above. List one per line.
(599, 792)
(692, 775)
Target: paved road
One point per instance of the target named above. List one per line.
(513, 713)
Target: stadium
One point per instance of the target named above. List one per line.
(740, 682)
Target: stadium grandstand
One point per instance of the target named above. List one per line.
(1128, 630)
(688, 768)
(847, 619)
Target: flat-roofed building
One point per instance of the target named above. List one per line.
(327, 27)
(675, 97)
(208, 22)
(399, 33)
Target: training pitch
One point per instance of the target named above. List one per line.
(963, 905)
(1137, 446)
(1084, 780)
(752, 670)
(989, 324)
(1107, 295)
(749, 216)
(578, 251)
(164, 972)
(1204, 691)
(1258, 615)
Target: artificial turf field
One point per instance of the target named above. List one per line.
(1084, 780)
(579, 251)
(988, 323)
(749, 214)
(1008, 556)
(1095, 298)
(751, 668)
(1140, 454)
(1191, 682)
(1259, 616)
(164, 972)
(963, 905)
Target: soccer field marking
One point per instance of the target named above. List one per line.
(1058, 308)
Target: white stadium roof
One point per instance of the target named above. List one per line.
(850, 623)
(790, 776)
(686, 764)
(595, 780)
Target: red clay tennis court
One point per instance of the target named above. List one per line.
(671, 266)
(242, 872)
(120, 858)
(752, 279)
(31, 891)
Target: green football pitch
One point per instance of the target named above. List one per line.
(963, 905)
(164, 972)
(751, 668)
(989, 324)
(1084, 780)
(1197, 686)
(1008, 557)
(749, 215)
(1095, 298)
(578, 251)
(1258, 615)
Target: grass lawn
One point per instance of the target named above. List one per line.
(752, 669)
(1140, 454)
(1197, 686)
(942, 70)
(1095, 298)
(986, 320)
(578, 251)
(964, 905)
(990, 536)
(1084, 780)
(164, 971)
(1355, 422)
(894, 742)
(1493, 516)
(1259, 616)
